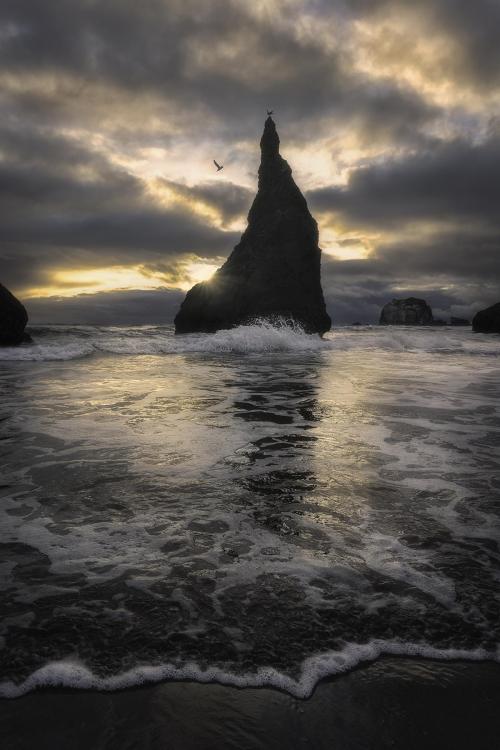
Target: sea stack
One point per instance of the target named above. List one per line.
(406, 312)
(274, 271)
(488, 320)
(13, 319)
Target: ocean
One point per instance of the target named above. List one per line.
(256, 507)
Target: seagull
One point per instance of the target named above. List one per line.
(219, 166)
(270, 112)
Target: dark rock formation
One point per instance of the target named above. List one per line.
(459, 321)
(487, 321)
(406, 312)
(13, 319)
(275, 268)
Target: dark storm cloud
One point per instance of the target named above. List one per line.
(125, 76)
(229, 200)
(49, 186)
(218, 55)
(29, 145)
(43, 173)
(156, 307)
(475, 27)
(356, 290)
(385, 112)
(470, 25)
(125, 235)
(63, 205)
(453, 180)
(158, 45)
(450, 256)
(454, 256)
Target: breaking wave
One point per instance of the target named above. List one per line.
(53, 343)
(255, 507)
(74, 674)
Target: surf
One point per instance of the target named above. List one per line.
(59, 343)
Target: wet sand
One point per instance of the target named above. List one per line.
(391, 703)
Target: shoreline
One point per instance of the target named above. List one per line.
(406, 702)
(74, 675)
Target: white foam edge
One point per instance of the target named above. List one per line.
(258, 337)
(74, 674)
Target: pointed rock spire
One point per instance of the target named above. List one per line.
(270, 141)
(274, 271)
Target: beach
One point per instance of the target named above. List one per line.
(248, 519)
(401, 703)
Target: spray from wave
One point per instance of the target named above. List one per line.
(54, 343)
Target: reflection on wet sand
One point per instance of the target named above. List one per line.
(243, 512)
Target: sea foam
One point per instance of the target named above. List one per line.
(74, 674)
(55, 343)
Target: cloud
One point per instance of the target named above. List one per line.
(157, 307)
(68, 206)
(356, 290)
(230, 201)
(452, 180)
(434, 217)
(221, 64)
(112, 113)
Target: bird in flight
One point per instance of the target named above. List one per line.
(270, 112)
(219, 166)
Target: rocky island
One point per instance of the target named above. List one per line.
(488, 320)
(274, 271)
(13, 319)
(406, 312)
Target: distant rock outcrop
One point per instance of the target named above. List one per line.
(406, 312)
(459, 321)
(13, 319)
(274, 271)
(488, 320)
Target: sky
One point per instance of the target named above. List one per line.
(112, 112)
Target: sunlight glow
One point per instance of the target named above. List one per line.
(344, 245)
(91, 280)
(197, 272)
(168, 196)
(70, 283)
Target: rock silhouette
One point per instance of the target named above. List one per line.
(13, 319)
(274, 271)
(406, 312)
(488, 320)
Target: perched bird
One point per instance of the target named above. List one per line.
(219, 166)
(270, 112)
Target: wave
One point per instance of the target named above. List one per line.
(45, 353)
(53, 343)
(74, 674)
